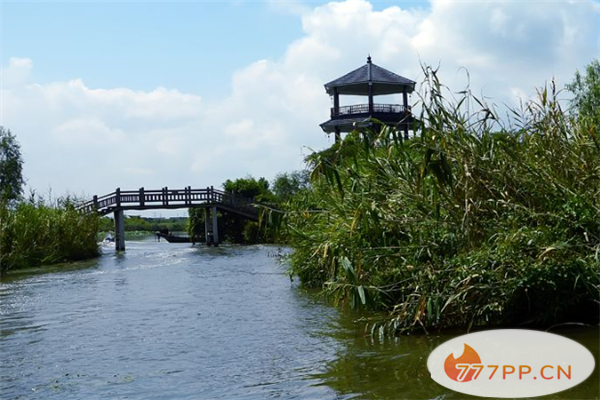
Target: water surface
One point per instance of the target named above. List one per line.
(175, 321)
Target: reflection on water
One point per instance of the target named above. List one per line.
(174, 321)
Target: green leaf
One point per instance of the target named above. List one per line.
(361, 293)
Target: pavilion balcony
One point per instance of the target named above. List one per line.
(363, 109)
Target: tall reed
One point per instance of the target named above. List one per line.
(36, 232)
(470, 223)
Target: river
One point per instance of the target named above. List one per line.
(174, 321)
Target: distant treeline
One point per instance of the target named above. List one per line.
(147, 224)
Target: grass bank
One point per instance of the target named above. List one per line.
(469, 224)
(36, 232)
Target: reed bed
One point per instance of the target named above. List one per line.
(471, 223)
(37, 232)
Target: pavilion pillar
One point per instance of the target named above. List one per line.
(336, 102)
(119, 229)
(406, 113)
(338, 135)
(206, 226)
(370, 97)
(370, 79)
(215, 227)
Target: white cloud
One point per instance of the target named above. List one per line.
(17, 72)
(294, 7)
(92, 140)
(79, 133)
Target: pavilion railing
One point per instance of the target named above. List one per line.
(364, 109)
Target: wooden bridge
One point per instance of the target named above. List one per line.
(208, 198)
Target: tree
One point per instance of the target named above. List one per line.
(11, 167)
(586, 90)
(287, 185)
(250, 188)
(236, 228)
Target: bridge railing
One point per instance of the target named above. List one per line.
(187, 196)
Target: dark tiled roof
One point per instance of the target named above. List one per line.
(369, 72)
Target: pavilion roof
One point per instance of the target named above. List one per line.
(357, 82)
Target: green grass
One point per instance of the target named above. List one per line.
(35, 232)
(469, 224)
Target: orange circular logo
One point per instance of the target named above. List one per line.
(451, 365)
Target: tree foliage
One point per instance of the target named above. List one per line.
(586, 90)
(232, 227)
(11, 167)
(288, 185)
(249, 187)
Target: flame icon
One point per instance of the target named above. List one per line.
(469, 356)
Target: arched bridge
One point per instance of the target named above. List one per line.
(208, 198)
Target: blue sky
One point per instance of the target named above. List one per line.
(128, 94)
(144, 45)
(194, 46)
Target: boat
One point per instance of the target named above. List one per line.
(172, 238)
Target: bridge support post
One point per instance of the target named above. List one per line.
(206, 225)
(215, 226)
(119, 230)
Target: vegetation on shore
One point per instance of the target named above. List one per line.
(33, 231)
(468, 224)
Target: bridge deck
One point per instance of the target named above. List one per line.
(165, 198)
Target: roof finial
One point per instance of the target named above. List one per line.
(369, 59)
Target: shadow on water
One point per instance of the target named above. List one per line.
(368, 366)
(373, 367)
(14, 276)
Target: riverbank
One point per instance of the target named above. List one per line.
(35, 232)
(467, 225)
